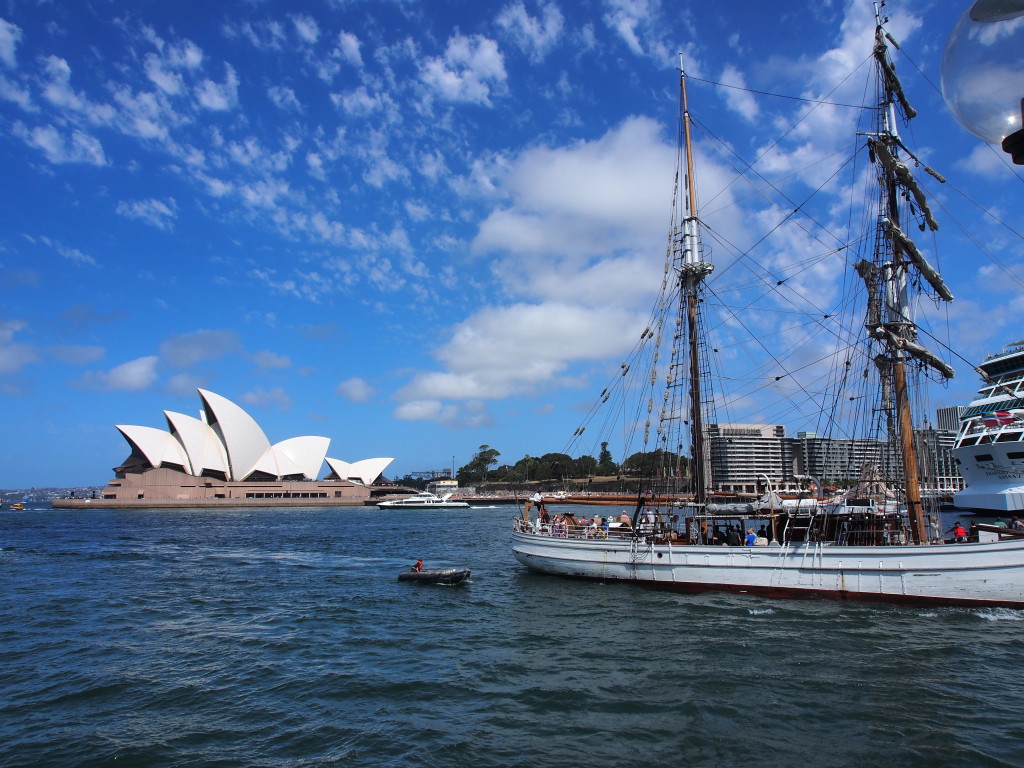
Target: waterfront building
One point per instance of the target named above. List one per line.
(742, 454)
(443, 487)
(838, 459)
(948, 419)
(935, 451)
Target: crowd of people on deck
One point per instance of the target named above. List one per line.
(649, 521)
(561, 525)
(732, 536)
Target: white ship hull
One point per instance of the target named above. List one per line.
(987, 573)
(989, 448)
(995, 486)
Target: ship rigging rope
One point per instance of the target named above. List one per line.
(779, 95)
(717, 142)
(974, 238)
(793, 127)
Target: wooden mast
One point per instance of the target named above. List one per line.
(692, 273)
(899, 323)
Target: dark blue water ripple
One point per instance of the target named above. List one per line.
(281, 638)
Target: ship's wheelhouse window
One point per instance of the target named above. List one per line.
(1015, 455)
(983, 457)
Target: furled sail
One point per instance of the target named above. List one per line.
(912, 348)
(903, 175)
(880, 330)
(909, 247)
(891, 80)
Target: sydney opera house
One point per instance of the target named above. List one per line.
(223, 458)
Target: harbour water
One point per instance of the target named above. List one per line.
(281, 638)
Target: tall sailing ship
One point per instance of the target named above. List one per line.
(881, 540)
(989, 447)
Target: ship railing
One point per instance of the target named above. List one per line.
(562, 531)
(996, 433)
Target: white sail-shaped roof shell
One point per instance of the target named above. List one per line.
(205, 450)
(296, 456)
(243, 439)
(159, 447)
(365, 471)
(228, 441)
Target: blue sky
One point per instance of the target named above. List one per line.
(414, 227)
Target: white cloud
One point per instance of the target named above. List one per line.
(536, 36)
(72, 254)
(156, 213)
(79, 147)
(10, 91)
(637, 22)
(273, 398)
(263, 35)
(315, 163)
(471, 68)
(132, 376)
(184, 55)
(186, 349)
(10, 36)
(985, 160)
(266, 359)
(184, 384)
(500, 352)
(219, 97)
(58, 90)
(359, 102)
(147, 115)
(348, 49)
(426, 410)
(77, 354)
(416, 211)
(167, 81)
(14, 355)
(284, 98)
(355, 390)
(306, 28)
(584, 200)
(741, 102)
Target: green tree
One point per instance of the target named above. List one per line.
(657, 463)
(479, 467)
(526, 467)
(605, 464)
(585, 466)
(555, 466)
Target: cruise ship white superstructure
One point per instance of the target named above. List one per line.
(989, 448)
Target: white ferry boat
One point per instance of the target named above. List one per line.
(424, 500)
(989, 448)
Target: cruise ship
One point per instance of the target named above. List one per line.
(989, 448)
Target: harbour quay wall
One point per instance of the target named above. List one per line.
(201, 503)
